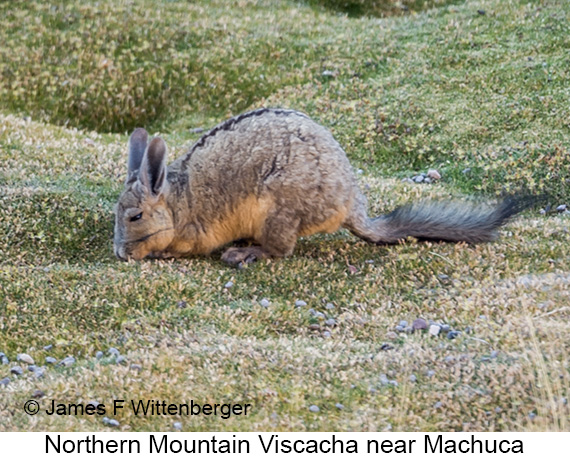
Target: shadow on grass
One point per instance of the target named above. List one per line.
(379, 8)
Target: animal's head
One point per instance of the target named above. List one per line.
(143, 221)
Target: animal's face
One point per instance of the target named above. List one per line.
(143, 221)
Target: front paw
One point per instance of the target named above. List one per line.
(237, 257)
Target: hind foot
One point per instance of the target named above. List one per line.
(238, 257)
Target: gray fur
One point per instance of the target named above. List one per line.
(271, 175)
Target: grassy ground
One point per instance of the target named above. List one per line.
(476, 89)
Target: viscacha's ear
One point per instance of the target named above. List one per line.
(137, 146)
(152, 174)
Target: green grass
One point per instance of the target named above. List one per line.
(445, 87)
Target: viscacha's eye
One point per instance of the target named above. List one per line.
(136, 218)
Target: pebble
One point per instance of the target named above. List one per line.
(386, 347)
(403, 324)
(329, 306)
(99, 355)
(5, 360)
(419, 324)
(498, 409)
(531, 416)
(399, 328)
(413, 378)
(196, 130)
(339, 406)
(25, 358)
(300, 303)
(330, 322)
(113, 352)
(49, 347)
(182, 304)
(326, 334)
(136, 367)
(51, 360)
(328, 74)
(427, 180)
(418, 179)
(434, 174)
(38, 394)
(68, 361)
(177, 425)
(391, 335)
(229, 284)
(438, 405)
(384, 380)
(434, 329)
(110, 422)
(314, 408)
(40, 372)
(314, 327)
(120, 359)
(264, 302)
(32, 368)
(452, 334)
(445, 328)
(494, 354)
(561, 208)
(431, 373)
(466, 171)
(4, 381)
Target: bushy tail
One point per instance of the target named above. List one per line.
(438, 220)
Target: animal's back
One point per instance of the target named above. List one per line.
(268, 163)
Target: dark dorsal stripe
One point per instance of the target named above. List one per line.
(232, 122)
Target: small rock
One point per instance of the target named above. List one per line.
(68, 361)
(419, 324)
(391, 335)
(5, 360)
(328, 74)
(430, 373)
(445, 328)
(427, 180)
(25, 358)
(177, 426)
(300, 303)
(314, 408)
(40, 372)
(531, 416)
(418, 179)
(182, 304)
(314, 327)
(438, 405)
(329, 306)
(561, 208)
(413, 378)
(384, 380)
(434, 174)
(452, 334)
(229, 285)
(339, 406)
(498, 409)
(403, 324)
(4, 381)
(352, 269)
(399, 328)
(494, 354)
(318, 314)
(49, 347)
(110, 422)
(326, 334)
(386, 347)
(38, 394)
(51, 360)
(481, 12)
(434, 329)
(466, 171)
(264, 302)
(330, 322)
(17, 370)
(114, 352)
(32, 368)
(196, 130)
(99, 355)
(136, 367)
(120, 359)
